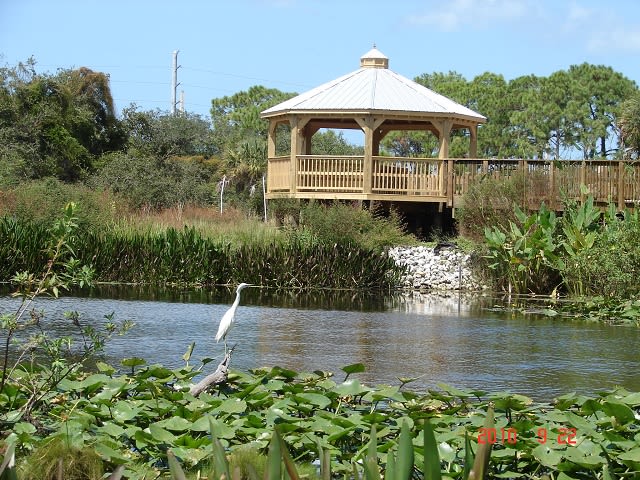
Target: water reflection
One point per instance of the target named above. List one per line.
(452, 338)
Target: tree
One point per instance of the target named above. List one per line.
(598, 92)
(546, 113)
(241, 135)
(488, 94)
(331, 143)
(55, 125)
(403, 143)
(152, 183)
(161, 135)
(629, 125)
(238, 116)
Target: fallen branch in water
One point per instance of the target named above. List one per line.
(215, 378)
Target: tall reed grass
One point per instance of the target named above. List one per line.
(188, 257)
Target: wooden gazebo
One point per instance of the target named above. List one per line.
(375, 100)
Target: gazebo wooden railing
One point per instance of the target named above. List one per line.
(447, 180)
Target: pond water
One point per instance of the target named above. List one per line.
(455, 339)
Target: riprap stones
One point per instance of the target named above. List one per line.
(443, 267)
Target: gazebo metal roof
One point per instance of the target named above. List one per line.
(373, 88)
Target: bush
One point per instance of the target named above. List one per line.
(611, 267)
(489, 203)
(345, 223)
(156, 184)
(40, 201)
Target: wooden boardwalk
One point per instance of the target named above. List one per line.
(445, 181)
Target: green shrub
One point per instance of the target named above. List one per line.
(489, 203)
(525, 257)
(341, 223)
(611, 266)
(41, 201)
(147, 182)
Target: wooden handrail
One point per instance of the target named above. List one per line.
(431, 179)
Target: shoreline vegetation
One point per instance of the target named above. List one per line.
(147, 188)
(137, 420)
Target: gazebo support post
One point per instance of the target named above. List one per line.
(473, 141)
(297, 146)
(369, 125)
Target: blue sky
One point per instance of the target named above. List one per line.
(227, 46)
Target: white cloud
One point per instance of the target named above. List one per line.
(602, 30)
(593, 26)
(459, 14)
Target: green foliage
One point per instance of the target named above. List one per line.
(341, 223)
(55, 125)
(611, 265)
(28, 340)
(532, 116)
(187, 257)
(526, 257)
(40, 202)
(489, 203)
(162, 136)
(150, 183)
(238, 116)
(586, 252)
(262, 420)
(580, 225)
(629, 123)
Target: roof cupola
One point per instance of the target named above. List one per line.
(374, 58)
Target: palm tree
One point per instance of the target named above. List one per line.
(629, 123)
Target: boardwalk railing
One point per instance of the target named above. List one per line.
(446, 181)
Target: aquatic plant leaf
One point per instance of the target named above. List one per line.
(479, 471)
(274, 458)
(468, 456)
(220, 462)
(389, 469)
(350, 388)
(314, 399)
(431, 468)
(286, 456)
(111, 429)
(632, 399)
(405, 458)
(218, 429)
(123, 411)
(353, 368)
(456, 392)
(159, 434)
(176, 424)
(174, 467)
(622, 413)
(133, 362)
(232, 405)
(110, 454)
(190, 456)
(589, 461)
(547, 456)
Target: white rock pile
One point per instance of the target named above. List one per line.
(443, 267)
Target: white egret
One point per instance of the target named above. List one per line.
(229, 317)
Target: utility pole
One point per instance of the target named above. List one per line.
(174, 83)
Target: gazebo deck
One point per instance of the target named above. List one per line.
(445, 181)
